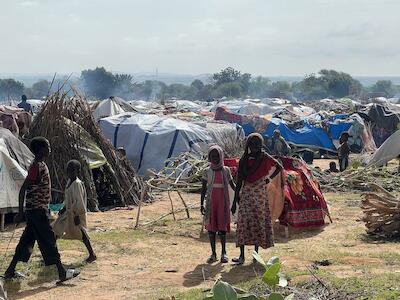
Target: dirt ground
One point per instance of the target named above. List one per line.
(168, 257)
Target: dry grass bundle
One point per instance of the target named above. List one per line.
(381, 212)
(54, 123)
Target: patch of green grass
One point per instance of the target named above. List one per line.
(380, 287)
(192, 294)
(389, 257)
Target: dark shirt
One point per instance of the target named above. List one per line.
(26, 106)
(344, 150)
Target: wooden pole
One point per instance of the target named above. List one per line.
(184, 204)
(172, 205)
(142, 194)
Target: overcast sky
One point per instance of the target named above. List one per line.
(267, 37)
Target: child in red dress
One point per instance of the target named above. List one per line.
(216, 181)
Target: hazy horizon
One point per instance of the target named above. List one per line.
(284, 38)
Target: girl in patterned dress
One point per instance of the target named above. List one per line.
(256, 170)
(215, 191)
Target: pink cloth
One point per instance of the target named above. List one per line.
(218, 220)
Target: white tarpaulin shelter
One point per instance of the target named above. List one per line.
(149, 140)
(247, 107)
(15, 158)
(389, 150)
(111, 107)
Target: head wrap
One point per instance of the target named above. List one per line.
(221, 157)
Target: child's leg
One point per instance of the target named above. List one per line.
(242, 252)
(211, 236)
(46, 240)
(224, 257)
(222, 236)
(92, 257)
(23, 250)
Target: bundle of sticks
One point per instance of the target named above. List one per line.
(69, 126)
(357, 179)
(182, 173)
(381, 212)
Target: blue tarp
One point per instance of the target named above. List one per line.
(310, 136)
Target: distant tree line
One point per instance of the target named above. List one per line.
(100, 84)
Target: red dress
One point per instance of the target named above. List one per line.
(218, 221)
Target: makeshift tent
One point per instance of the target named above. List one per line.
(110, 107)
(73, 134)
(183, 105)
(35, 104)
(15, 119)
(385, 121)
(247, 107)
(149, 140)
(389, 150)
(305, 205)
(15, 159)
(230, 137)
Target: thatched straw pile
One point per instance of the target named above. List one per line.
(54, 123)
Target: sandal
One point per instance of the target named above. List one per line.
(212, 259)
(91, 259)
(238, 260)
(15, 275)
(224, 259)
(69, 274)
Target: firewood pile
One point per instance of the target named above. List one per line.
(357, 180)
(381, 212)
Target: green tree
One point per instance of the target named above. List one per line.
(230, 89)
(227, 75)
(259, 86)
(98, 83)
(10, 89)
(197, 84)
(328, 83)
(232, 81)
(385, 87)
(279, 89)
(124, 86)
(39, 89)
(339, 84)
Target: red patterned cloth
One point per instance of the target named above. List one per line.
(38, 192)
(305, 206)
(223, 114)
(254, 225)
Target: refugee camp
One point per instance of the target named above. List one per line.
(213, 150)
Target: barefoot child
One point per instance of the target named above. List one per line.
(71, 224)
(36, 190)
(256, 170)
(215, 191)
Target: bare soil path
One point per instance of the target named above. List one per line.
(167, 258)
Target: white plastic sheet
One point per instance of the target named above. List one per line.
(12, 176)
(389, 150)
(149, 140)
